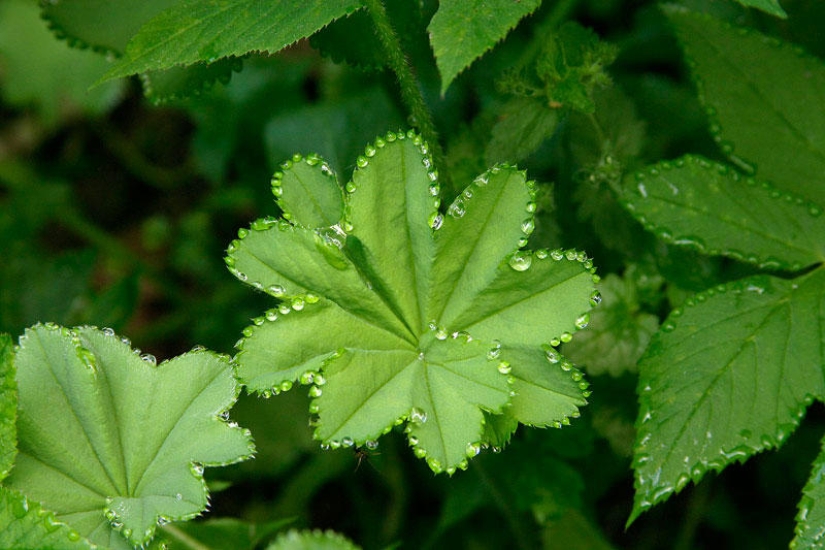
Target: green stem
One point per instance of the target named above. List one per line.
(410, 92)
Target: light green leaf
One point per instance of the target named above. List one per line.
(106, 436)
(810, 520)
(25, 524)
(710, 207)
(312, 540)
(8, 406)
(768, 6)
(729, 375)
(311, 194)
(765, 100)
(192, 31)
(462, 31)
(401, 313)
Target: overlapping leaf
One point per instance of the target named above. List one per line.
(112, 443)
(398, 313)
(193, 31)
(710, 207)
(25, 524)
(765, 99)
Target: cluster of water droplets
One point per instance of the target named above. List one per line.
(20, 509)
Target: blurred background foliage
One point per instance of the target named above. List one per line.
(115, 211)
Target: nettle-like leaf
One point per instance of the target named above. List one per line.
(711, 208)
(395, 312)
(193, 31)
(732, 372)
(108, 26)
(462, 31)
(765, 100)
(729, 375)
(114, 444)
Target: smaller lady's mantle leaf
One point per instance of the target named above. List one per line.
(114, 444)
(25, 524)
(395, 312)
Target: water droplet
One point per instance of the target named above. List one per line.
(417, 416)
(371, 444)
(347, 442)
(583, 321)
(298, 303)
(285, 386)
(521, 260)
(149, 358)
(552, 355)
(196, 468)
(178, 496)
(435, 220)
(527, 226)
(307, 378)
(504, 367)
(494, 353)
(108, 331)
(473, 449)
(319, 379)
(315, 391)
(361, 161)
(434, 465)
(595, 298)
(565, 337)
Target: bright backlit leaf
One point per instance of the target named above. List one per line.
(765, 100)
(399, 313)
(312, 540)
(463, 30)
(709, 207)
(114, 444)
(729, 375)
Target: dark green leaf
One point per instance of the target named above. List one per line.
(195, 31)
(462, 31)
(708, 206)
(764, 98)
(729, 375)
(523, 124)
(768, 6)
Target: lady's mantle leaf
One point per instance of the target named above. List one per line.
(112, 443)
(192, 31)
(24, 524)
(729, 375)
(8, 406)
(694, 202)
(765, 99)
(312, 540)
(398, 312)
(463, 30)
